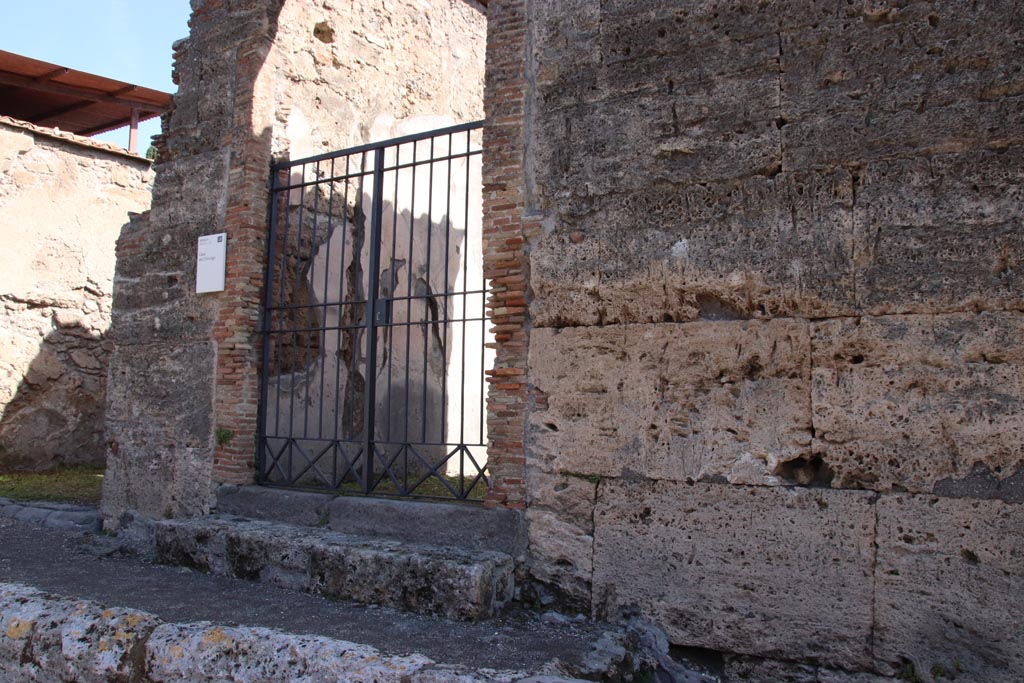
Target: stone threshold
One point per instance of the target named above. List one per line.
(462, 525)
(445, 581)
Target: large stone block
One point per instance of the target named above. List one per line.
(694, 132)
(561, 556)
(163, 391)
(739, 249)
(690, 402)
(446, 581)
(776, 572)
(941, 234)
(45, 638)
(948, 576)
(159, 480)
(910, 401)
(207, 653)
(560, 524)
(757, 670)
(859, 59)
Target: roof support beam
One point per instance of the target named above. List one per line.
(54, 113)
(7, 78)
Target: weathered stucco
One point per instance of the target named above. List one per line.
(258, 80)
(776, 304)
(63, 200)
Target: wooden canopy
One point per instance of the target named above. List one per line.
(75, 101)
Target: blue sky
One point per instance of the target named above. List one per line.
(128, 40)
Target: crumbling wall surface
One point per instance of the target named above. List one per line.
(777, 303)
(344, 74)
(258, 79)
(62, 201)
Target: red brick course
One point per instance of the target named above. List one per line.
(236, 330)
(507, 231)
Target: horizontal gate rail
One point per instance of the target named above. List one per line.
(375, 328)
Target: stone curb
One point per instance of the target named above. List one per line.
(47, 638)
(63, 516)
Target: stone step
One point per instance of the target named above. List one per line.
(447, 524)
(448, 581)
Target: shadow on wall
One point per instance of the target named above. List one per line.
(55, 417)
(429, 367)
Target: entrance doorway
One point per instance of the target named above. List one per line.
(375, 330)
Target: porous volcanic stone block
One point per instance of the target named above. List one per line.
(561, 556)
(853, 90)
(769, 571)
(46, 638)
(948, 581)
(560, 522)
(941, 234)
(446, 581)
(206, 653)
(914, 400)
(570, 496)
(757, 246)
(169, 386)
(685, 402)
(279, 505)
(160, 431)
(757, 670)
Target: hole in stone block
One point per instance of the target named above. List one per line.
(323, 32)
(805, 471)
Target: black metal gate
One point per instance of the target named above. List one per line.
(375, 326)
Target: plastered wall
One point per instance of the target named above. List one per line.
(63, 200)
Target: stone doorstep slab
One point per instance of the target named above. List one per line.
(450, 524)
(48, 638)
(445, 581)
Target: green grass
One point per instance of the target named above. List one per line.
(69, 485)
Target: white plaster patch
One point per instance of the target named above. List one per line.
(681, 249)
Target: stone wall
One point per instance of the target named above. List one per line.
(772, 394)
(258, 79)
(63, 200)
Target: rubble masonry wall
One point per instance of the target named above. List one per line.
(257, 80)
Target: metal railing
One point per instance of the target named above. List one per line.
(374, 320)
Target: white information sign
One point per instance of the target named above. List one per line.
(211, 263)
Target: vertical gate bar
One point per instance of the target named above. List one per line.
(266, 323)
(373, 291)
(283, 313)
(341, 309)
(465, 298)
(308, 305)
(392, 286)
(295, 322)
(429, 293)
(328, 234)
(408, 293)
(449, 303)
(355, 357)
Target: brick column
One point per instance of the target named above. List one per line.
(236, 329)
(507, 231)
